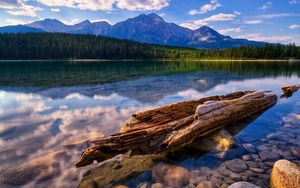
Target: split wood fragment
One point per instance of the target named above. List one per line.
(289, 90)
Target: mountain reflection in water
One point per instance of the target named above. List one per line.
(48, 108)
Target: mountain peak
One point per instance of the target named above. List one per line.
(149, 17)
(49, 20)
(155, 17)
(205, 30)
(83, 23)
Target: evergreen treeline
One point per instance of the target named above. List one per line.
(63, 46)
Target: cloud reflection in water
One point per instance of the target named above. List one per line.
(34, 128)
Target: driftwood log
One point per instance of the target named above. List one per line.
(169, 127)
(289, 90)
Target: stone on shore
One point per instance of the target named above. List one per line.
(243, 184)
(170, 175)
(157, 185)
(285, 174)
(206, 184)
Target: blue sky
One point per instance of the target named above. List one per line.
(263, 20)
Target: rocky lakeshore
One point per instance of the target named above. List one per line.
(247, 164)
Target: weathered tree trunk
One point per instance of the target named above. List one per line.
(289, 90)
(176, 125)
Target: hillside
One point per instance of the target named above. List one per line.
(65, 46)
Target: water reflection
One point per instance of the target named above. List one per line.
(46, 122)
(65, 73)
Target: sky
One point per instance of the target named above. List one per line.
(261, 20)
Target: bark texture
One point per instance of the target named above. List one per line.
(169, 127)
(289, 90)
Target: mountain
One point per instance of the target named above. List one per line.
(49, 25)
(19, 29)
(144, 28)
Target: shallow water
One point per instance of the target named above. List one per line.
(48, 108)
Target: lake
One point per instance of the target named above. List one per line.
(49, 109)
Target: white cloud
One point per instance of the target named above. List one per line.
(80, 4)
(279, 15)
(19, 8)
(55, 9)
(294, 26)
(132, 5)
(142, 4)
(293, 2)
(70, 22)
(253, 22)
(162, 14)
(14, 22)
(230, 30)
(266, 6)
(189, 25)
(214, 4)
(272, 39)
(205, 21)
(237, 12)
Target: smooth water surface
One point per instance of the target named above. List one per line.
(48, 110)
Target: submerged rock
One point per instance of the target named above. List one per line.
(269, 156)
(243, 184)
(170, 175)
(157, 185)
(285, 174)
(250, 148)
(117, 170)
(121, 186)
(206, 184)
(296, 152)
(236, 165)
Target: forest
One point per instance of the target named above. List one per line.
(24, 46)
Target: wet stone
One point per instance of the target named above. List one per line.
(295, 152)
(205, 171)
(144, 185)
(170, 175)
(196, 180)
(206, 184)
(229, 181)
(225, 172)
(235, 176)
(269, 164)
(236, 165)
(269, 156)
(262, 183)
(276, 136)
(257, 170)
(250, 148)
(251, 164)
(224, 185)
(254, 156)
(243, 185)
(121, 186)
(264, 176)
(157, 185)
(263, 148)
(246, 157)
(285, 174)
